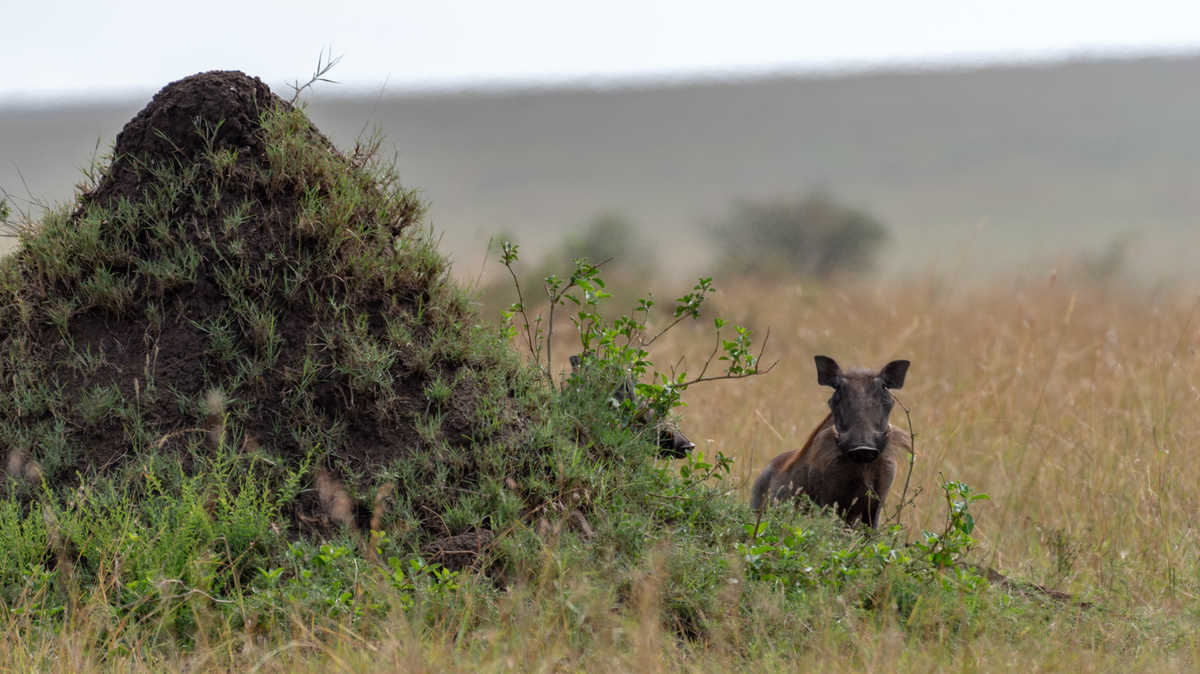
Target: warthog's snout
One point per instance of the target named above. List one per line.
(673, 443)
(861, 447)
(863, 454)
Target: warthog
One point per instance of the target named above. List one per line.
(849, 461)
(671, 442)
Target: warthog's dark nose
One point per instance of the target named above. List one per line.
(863, 454)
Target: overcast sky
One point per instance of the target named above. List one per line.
(84, 48)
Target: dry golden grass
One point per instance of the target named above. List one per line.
(1075, 407)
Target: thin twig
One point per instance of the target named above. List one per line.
(676, 364)
(701, 378)
(912, 459)
(487, 251)
(1183, 332)
(524, 316)
(375, 106)
(729, 376)
(554, 299)
(25, 215)
(764, 420)
(323, 68)
(708, 361)
(677, 321)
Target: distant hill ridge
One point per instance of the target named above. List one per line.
(970, 168)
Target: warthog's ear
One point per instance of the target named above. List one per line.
(828, 372)
(893, 373)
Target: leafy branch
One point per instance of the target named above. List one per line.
(622, 343)
(948, 548)
(776, 550)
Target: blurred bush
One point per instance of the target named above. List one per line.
(1106, 265)
(814, 235)
(608, 236)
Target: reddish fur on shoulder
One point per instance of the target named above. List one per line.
(795, 455)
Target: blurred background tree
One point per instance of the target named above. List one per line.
(814, 235)
(609, 235)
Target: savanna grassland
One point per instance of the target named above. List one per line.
(253, 422)
(1074, 406)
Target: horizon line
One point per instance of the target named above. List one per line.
(683, 77)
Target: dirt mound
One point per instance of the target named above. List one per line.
(235, 281)
(228, 102)
(213, 111)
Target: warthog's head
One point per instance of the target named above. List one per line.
(861, 403)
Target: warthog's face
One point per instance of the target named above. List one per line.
(861, 403)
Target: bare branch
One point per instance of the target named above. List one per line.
(664, 331)
(763, 349)
(676, 364)
(708, 361)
